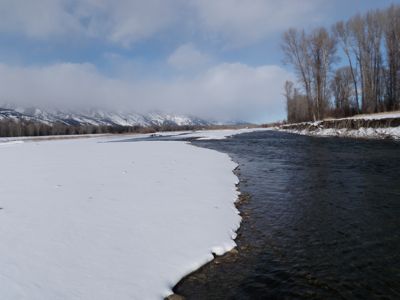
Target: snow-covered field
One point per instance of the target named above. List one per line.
(97, 219)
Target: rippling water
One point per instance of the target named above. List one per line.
(322, 221)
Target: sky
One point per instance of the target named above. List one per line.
(217, 60)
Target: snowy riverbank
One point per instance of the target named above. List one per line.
(376, 126)
(97, 219)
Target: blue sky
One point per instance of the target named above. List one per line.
(215, 59)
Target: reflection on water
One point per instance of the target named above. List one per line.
(322, 222)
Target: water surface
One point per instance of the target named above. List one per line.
(322, 221)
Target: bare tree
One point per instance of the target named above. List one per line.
(371, 81)
(343, 92)
(289, 92)
(392, 44)
(323, 54)
(355, 27)
(366, 32)
(341, 31)
(295, 48)
(296, 104)
(375, 33)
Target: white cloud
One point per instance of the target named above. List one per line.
(60, 84)
(187, 57)
(223, 92)
(240, 22)
(36, 19)
(125, 22)
(234, 92)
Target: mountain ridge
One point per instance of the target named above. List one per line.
(98, 117)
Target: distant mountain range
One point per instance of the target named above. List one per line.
(98, 117)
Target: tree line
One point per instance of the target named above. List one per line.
(17, 128)
(351, 68)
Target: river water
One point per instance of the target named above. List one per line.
(321, 221)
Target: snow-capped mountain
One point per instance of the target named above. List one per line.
(98, 117)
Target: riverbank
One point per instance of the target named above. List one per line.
(374, 126)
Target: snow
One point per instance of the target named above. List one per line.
(204, 134)
(177, 135)
(200, 134)
(50, 137)
(97, 219)
(374, 133)
(219, 134)
(9, 143)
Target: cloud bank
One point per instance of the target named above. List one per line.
(223, 92)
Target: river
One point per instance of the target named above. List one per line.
(321, 221)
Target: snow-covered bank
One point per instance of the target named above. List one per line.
(219, 134)
(92, 219)
(376, 126)
(204, 134)
(368, 133)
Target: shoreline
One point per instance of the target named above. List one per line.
(230, 255)
(361, 127)
(227, 257)
(364, 134)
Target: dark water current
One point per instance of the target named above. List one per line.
(322, 221)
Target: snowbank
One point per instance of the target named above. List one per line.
(377, 126)
(372, 133)
(91, 219)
